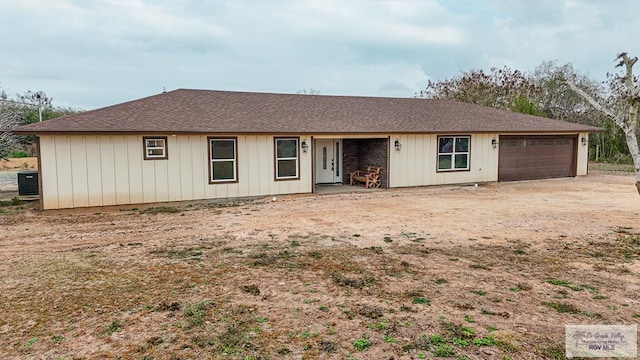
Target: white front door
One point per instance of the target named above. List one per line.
(328, 164)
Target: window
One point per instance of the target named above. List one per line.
(223, 157)
(453, 153)
(155, 148)
(324, 158)
(337, 159)
(286, 158)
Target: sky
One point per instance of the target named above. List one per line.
(88, 54)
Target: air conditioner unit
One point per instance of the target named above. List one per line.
(28, 183)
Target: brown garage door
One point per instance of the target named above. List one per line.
(536, 157)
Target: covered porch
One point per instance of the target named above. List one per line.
(335, 158)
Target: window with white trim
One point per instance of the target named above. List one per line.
(453, 153)
(287, 165)
(155, 148)
(223, 160)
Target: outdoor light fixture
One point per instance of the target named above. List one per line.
(397, 145)
(584, 140)
(304, 145)
(494, 143)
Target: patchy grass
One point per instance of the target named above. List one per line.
(13, 202)
(611, 166)
(567, 284)
(563, 307)
(251, 289)
(161, 210)
(421, 300)
(188, 253)
(444, 350)
(113, 327)
(222, 325)
(195, 313)
(233, 292)
(357, 282)
(16, 206)
(361, 344)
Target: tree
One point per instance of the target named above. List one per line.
(543, 93)
(621, 105)
(24, 109)
(501, 88)
(34, 104)
(311, 91)
(8, 141)
(559, 101)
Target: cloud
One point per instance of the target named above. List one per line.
(96, 53)
(412, 22)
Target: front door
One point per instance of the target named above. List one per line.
(328, 164)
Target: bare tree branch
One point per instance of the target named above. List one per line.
(628, 77)
(8, 121)
(610, 114)
(628, 92)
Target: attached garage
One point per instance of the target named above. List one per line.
(537, 157)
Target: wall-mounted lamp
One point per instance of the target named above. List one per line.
(583, 140)
(304, 145)
(397, 145)
(494, 143)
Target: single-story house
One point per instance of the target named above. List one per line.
(200, 144)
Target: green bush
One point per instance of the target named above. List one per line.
(421, 300)
(361, 343)
(18, 154)
(443, 350)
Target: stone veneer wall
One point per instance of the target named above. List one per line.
(359, 153)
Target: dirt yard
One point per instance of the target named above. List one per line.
(488, 272)
(13, 164)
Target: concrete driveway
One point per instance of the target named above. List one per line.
(8, 185)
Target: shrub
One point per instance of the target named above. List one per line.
(18, 154)
(443, 350)
(361, 344)
(421, 300)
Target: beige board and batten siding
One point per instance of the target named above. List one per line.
(101, 170)
(415, 164)
(582, 161)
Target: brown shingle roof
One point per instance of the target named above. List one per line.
(207, 111)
